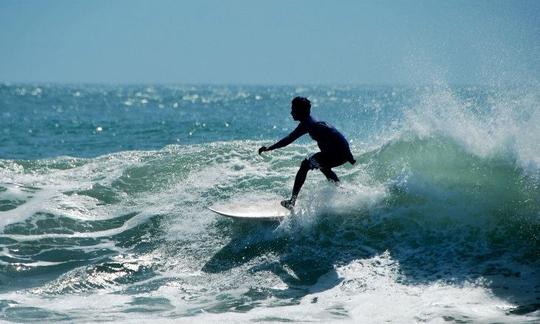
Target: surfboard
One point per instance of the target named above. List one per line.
(264, 212)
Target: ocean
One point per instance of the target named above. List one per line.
(104, 191)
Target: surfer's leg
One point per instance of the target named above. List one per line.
(298, 183)
(328, 161)
(300, 178)
(330, 175)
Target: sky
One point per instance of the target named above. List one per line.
(270, 42)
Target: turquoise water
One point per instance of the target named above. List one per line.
(104, 189)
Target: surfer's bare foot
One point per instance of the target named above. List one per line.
(289, 204)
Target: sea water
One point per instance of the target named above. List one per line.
(104, 193)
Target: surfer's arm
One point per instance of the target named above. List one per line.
(293, 136)
(284, 142)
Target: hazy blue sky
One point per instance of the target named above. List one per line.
(269, 42)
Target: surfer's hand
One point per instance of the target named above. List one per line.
(263, 149)
(352, 161)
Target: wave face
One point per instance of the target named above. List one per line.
(437, 221)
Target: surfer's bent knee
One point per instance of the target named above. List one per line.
(306, 164)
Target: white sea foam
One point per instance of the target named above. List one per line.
(509, 126)
(363, 291)
(26, 210)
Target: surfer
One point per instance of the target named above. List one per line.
(334, 147)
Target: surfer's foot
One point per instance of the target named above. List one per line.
(289, 204)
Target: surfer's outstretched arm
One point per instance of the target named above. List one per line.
(299, 131)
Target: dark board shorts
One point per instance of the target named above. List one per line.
(324, 160)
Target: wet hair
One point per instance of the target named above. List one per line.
(302, 106)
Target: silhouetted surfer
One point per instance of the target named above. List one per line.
(334, 147)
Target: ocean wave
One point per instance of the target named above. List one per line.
(444, 200)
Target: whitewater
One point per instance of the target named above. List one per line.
(104, 191)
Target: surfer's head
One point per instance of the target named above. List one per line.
(300, 108)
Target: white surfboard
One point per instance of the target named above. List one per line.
(261, 212)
